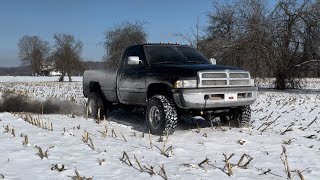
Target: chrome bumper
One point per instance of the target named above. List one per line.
(207, 98)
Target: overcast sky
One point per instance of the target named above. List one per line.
(87, 21)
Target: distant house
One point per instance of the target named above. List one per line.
(49, 70)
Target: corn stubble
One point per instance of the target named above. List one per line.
(144, 168)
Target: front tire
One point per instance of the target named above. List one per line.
(161, 115)
(95, 103)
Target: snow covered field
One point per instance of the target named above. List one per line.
(75, 144)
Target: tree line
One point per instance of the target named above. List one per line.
(64, 56)
(280, 41)
(268, 41)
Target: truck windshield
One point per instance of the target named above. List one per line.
(171, 54)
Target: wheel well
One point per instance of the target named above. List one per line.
(161, 89)
(94, 87)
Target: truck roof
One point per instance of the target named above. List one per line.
(161, 44)
(169, 43)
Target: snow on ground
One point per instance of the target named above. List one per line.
(273, 113)
(36, 78)
(43, 88)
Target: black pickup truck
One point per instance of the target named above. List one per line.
(171, 82)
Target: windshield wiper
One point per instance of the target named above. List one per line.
(167, 62)
(194, 62)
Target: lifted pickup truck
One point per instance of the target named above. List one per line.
(170, 82)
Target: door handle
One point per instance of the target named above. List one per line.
(121, 74)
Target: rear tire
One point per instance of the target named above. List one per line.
(161, 115)
(244, 116)
(95, 103)
(240, 117)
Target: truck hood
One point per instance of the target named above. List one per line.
(188, 71)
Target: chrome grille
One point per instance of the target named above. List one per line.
(239, 75)
(214, 75)
(223, 78)
(214, 82)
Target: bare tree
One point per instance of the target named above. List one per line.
(269, 42)
(294, 21)
(221, 32)
(253, 41)
(310, 60)
(238, 34)
(121, 36)
(66, 55)
(33, 51)
(194, 36)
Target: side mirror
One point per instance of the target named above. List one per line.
(213, 61)
(133, 60)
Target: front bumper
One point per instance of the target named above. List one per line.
(209, 98)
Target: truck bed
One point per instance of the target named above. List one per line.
(107, 80)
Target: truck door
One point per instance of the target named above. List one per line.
(132, 79)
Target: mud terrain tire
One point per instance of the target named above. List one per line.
(244, 116)
(95, 103)
(161, 115)
(240, 117)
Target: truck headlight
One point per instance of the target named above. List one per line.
(185, 84)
